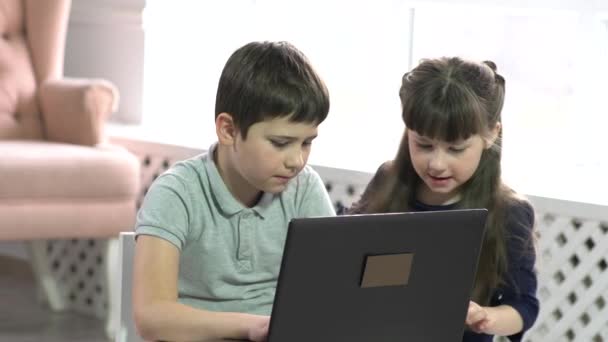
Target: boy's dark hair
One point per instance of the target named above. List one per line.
(266, 80)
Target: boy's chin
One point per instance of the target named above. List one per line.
(275, 189)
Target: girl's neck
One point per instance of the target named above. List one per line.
(426, 196)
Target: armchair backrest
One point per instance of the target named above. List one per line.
(32, 44)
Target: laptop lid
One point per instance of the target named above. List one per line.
(378, 277)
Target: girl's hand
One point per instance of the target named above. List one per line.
(258, 329)
(479, 319)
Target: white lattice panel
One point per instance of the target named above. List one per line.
(79, 266)
(343, 186)
(573, 281)
(572, 253)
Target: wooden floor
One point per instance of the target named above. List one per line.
(24, 319)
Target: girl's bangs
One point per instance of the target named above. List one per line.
(450, 118)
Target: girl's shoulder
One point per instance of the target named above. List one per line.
(378, 184)
(386, 168)
(520, 234)
(516, 203)
(521, 207)
(519, 215)
(386, 173)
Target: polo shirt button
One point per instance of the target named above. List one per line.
(245, 265)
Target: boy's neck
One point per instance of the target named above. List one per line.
(239, 188)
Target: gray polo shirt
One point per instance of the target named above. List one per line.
(229, 254)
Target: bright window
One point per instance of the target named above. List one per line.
(360, 52)
(553, 61)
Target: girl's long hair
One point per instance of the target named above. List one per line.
(451, 99)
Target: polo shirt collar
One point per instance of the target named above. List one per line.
(223, 197)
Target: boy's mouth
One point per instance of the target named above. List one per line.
(283, 178)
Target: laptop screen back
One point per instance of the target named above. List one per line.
(381, 277)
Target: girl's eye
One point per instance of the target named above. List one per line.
(457, 149)
(425, 146)
(307, 143)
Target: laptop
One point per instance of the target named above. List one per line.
(377, 277)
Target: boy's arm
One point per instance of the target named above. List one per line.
(159, 316)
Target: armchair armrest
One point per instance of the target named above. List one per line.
(74, 110)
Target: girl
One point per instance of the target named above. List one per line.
(449, 158)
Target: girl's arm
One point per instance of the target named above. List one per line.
(159, 316)
(502, 320)
(515, 306)
(508, 320)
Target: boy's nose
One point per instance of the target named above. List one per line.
(295, 160)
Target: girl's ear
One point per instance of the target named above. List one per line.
(225, 129)
(494, 133)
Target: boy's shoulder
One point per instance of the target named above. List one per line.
(307, 172)
(307, 177)
(188, 168)
(185, 176)
(307, 195)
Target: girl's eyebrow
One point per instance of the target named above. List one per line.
(421, 138)
(418, 136)
(462, 141)
(424, 140)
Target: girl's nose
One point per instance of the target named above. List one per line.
(437, 161)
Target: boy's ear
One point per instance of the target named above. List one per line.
(491, 139)
(225, 129)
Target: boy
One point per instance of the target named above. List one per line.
(211, 230)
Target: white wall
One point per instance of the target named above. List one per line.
(361, 48)
(15, 249)
(106, 40)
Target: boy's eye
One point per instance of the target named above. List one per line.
(278, 143)
(307, 143)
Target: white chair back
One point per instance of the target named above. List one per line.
(126, 331)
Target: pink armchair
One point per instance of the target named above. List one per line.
(59, 178)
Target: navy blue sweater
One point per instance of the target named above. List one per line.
(519, 291)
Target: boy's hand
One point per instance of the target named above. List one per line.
(258, 328)
(479, 319)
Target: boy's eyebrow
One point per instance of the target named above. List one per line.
(289, 137)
